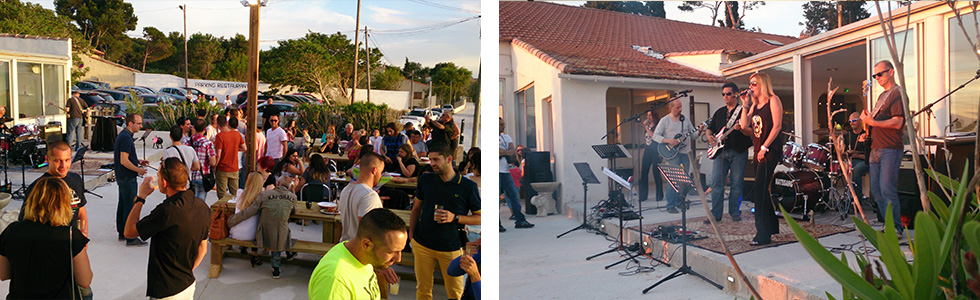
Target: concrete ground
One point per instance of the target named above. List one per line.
(559, 270)
(120, 271)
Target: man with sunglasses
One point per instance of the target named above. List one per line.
(732, 157)
(856, 142)
(886, 122)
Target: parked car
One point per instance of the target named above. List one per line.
(314, 99)
(416, 116)
(157, 98)
(449, 107)
(241, 99)
(286, 109)
(199, 93)
(92, 98)
(117, 94)
(297, 99)
(136, 89)
(86, 86)
(178, 93)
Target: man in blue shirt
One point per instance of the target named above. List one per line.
(127, 167)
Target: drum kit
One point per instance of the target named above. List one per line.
(21, 144)
(814, 179)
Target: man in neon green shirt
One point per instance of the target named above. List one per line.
(347, 271)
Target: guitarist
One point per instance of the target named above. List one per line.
(668, 132)
(76, 109)
(650, 157)
(731, 158)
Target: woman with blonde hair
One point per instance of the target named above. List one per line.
(763, 122)
(245, 231)
(33, 251)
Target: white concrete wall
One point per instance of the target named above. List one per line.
(394, 99)
(114, 75)
(218, 88)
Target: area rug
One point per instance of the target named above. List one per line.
(739, 234)
(92, 166)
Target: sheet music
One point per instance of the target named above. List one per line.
(612, 175)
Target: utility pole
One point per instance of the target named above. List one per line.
(368, 69)
(184, 8)
(251, 113)
(477, 100)
(411, 90)
(357, 26)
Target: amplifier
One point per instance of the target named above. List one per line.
(51, 133)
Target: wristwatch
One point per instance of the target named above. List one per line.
(139, 199)
(455, 218)
(764, 148)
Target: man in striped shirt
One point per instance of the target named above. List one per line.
(206, 154)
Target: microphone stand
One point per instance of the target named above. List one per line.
(929, 106)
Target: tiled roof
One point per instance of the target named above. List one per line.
(579, 40)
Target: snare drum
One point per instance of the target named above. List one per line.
(792, 154)
(798, 190)
(835, 167)
(817, 156)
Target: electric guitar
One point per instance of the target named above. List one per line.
(667, 151)
(720, 137)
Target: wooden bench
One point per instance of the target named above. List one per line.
(218, 248)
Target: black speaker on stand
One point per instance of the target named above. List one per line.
(537, 168)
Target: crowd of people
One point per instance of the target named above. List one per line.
(206, 152)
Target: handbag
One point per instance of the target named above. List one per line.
(219, 225)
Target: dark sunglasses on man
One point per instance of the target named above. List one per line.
(875, 76)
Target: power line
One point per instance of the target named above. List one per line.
(443, 6)
(383, 55)
(422, 29)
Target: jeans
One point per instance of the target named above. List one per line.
(275, 258)
(859, 168)
(127, 192)
(509, 190)
(673, 197)
(884, 182)
(733, 161)
(650, 158)
(198, 186)
(75, 133)
(226, 182)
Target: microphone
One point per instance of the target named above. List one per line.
(745, 92)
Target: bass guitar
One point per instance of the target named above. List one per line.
(720, 137)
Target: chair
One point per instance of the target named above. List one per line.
(315, 192)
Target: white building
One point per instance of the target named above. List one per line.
(569, 75)
(34, 72)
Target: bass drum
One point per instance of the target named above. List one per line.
(798, 191)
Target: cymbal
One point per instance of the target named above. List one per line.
(792, 135)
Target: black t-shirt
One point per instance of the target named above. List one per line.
(270, 180)
(77, 186)
(393, 166)
(735, 140)
(851, 140)
(443, 136)
(175, 229)
(124, 143)
(459, 195)
(40, 259)
(269, 111)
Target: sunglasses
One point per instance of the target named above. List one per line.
(727, 94)
(876, 75)
(853, 120)
(276, 121)
(754, 83)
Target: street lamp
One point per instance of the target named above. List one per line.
(251, 113)
(428, 98)
(184, 8)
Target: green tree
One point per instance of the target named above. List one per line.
(645, 8)
(100, 21)
(32, 19)
(156, 46)
(233, 68)
(822, 16)
(389, 78)
(204, 50)
(449, 82)
(415, 71)
(316, 62)
(731, 17)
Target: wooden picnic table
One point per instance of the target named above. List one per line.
(332, 227)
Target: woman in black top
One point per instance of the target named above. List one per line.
(763, 122)
(471, 162)
(406, 163)
(43, 256)
(264, 167)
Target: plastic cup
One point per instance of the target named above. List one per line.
(437, 216)
(393, 288)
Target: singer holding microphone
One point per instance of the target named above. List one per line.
(762, 119)
(674, 125)
(650, 158)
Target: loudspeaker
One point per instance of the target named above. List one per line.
(908, 191)
(537, 168)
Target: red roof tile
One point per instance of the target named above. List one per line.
(580, 40)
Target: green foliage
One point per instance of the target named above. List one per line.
(388, 79)
(449, 82)
(645, 8)
(317, 117)
(32, 19)
(821, 16)
(135, 105)
(166, 115)
(204, 50)
(317, 62)
(101, 21)
(155, 45)
(941, 238)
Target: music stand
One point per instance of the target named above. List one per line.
(680, 182)
(585, 172)
(143, 138)
(80, 156)
(614, 177)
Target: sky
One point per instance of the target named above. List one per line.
(290, 19)
(776, 17)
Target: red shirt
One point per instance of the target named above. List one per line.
(227, 142)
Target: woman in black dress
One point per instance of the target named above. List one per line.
(763, 122)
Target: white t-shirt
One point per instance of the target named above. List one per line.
(273, 142)
(356, 200)
(377, 142)
(244, 231)
(504, 141)
(210, 132)
(190, 157)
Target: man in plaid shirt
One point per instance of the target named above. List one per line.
(205, 153)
